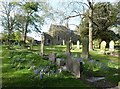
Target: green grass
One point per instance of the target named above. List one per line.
(17, 72)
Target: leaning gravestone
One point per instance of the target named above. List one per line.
(78, 44)
(85, 48)
(52, 57)
(73, 65)
(111, 46)
(103, 46)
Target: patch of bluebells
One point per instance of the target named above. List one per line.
(46, 71)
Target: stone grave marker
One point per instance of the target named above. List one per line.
(111, 46)
(71, 46)
(73, 66)
(63, 42)
(52, 57)
(78, 44)
(85, 48)
(60, 62)
(103, 46)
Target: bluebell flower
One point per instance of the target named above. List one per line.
(41, 76)
(36, 71)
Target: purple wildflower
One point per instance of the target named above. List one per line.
(36, 71)
(41, 76)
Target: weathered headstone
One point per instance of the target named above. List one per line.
(85, 48)
(60, 62)
(103, 46)
(76, 68)
(71, 46)
(111, 46)
(68, 47)
(73, 66)
(52, 57)
(78, 44)
(63, 42)
(42, 44)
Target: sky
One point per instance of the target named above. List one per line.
(59, 4)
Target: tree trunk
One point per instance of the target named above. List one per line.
(9, 32)
(25, 33)
(42, 44)
(90, 29)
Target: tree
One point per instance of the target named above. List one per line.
(104, 17)
(17, 36)
(32, 17)
(8, 18)
(82, 14)
(29, 9)
(90, 24)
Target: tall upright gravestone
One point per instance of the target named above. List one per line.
(42, 44)
(103, 46)
(85, 48)
(111, 46)
(63, 42)
(78, 44)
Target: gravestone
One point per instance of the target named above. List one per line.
(63, 42)
(78, 44)
(111, 46)
(52, 57)
(42, 44)
(85, 48)
(103, 46)
(68, 47)
(60, 62)
(73, 66)
(71, 46)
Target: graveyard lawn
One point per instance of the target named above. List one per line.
(17, 71)
(20, 74)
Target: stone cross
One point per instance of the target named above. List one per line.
(103, 46)
(78, 44)
(111, 46)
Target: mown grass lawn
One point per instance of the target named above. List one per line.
(17, 68)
